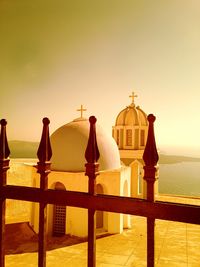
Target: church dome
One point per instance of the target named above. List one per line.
(132, 116)
(69, 143)
(131, 128)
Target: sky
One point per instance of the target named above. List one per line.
(58, 54)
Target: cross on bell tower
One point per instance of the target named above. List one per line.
(133, 97)
(81, 109)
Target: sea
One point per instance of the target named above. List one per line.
(180, 179)
(174, 179)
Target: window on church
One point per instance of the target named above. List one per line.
(129, 137)
(117, 137)
(59, 215)
(142, 135)
(59, 220)
(139, 182)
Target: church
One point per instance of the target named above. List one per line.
(120, 166)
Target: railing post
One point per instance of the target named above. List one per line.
(150, 157)
(92, 156)
(4, 166)
(43, 168)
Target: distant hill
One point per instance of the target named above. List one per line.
(168, 159)
(171, 159)
(23, 149)
(26, 149)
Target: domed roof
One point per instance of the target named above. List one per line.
(132, 116)
(69, 143)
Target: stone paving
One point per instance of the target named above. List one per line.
(177, 245)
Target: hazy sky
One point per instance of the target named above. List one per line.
(58, 54)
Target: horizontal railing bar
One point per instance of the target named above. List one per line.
(159, 210)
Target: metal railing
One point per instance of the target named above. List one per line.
(148, 207)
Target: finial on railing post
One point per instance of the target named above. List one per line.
(4, 152)
(44, 154)
(92, 156)
(4, 166)
(92, 151)
(150, 158)
(4, 149)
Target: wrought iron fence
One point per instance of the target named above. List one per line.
(148, 207)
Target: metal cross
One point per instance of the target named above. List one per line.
(133, 96)
(81, 109)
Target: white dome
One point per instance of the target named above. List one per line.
(69, 143)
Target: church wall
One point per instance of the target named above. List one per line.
(35, 217)
(110, 180)
(112, 183)
(138, 184)
(134, 179)
(72, 182)
(126, 217)
(131, 154)
(125, 178)
(77, 222)
(125, 191)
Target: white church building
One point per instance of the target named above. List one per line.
(120, 166)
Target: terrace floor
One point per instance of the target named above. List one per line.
(177, 245)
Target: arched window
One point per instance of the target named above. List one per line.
(140, 179)
(142, 138)
(117, 137)
(129, 137)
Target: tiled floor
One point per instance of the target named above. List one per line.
(177, 245)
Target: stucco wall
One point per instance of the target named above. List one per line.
(76, 218)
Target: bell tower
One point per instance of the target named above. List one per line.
(130, 133)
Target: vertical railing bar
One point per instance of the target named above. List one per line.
(4, 166)
(150, 157)
(92, 156)
(44, 155)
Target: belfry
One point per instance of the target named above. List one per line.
(130, 133)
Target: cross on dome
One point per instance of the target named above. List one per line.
(81, 109)
(133, 96)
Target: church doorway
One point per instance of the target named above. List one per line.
(59, 215)
(99, 213)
